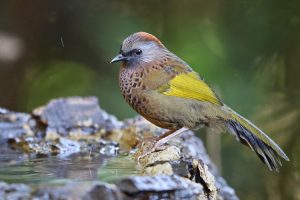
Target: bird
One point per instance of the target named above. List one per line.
(166, 91)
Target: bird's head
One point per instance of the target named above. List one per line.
(140, 48)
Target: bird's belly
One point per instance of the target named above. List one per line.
(167, 111)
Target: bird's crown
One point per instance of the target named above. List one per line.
(141, 47)
(141, 37)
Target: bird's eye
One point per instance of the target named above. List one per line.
(138, 52)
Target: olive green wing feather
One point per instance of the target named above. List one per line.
(189, 85)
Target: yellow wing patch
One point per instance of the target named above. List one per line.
(189, 85)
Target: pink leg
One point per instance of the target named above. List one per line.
(147, 149)
(165, 139)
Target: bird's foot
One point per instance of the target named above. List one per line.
(149, 146)
(152, 144)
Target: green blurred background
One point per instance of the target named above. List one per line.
(249, 52)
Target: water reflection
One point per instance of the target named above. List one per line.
(78, 167)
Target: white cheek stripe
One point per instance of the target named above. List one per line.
(150, 51)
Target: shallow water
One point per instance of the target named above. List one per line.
(55, 170)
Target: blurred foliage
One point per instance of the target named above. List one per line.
(247, 50)
(59, 79)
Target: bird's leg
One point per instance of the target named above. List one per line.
(148, 148)
(154, 139)
(168, 136)
(165, 134)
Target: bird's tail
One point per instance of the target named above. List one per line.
(247, 133)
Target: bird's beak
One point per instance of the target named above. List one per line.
(118, 58)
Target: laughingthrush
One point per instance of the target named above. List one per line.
(166, 91)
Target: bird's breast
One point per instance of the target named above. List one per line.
(131, 85)
(165, 111)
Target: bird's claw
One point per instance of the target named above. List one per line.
(147, 147)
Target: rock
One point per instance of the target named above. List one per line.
(160, 187)
(128, 137)
(14, 124)
(65, 115)
(77, 129)
(103, 191)
(170, 161)
(169, 153)
(14, 191)
(201, 174)
(192, 147)
(61, 146)
(133, 132)
(109, 148)
(186, 149)
(224, 190)
(68, 191)
(64, 147)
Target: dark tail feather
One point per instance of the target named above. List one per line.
(265, 152)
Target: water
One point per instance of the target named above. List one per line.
(55, 170)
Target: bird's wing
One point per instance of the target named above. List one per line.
(189, 85)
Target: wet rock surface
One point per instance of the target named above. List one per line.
(160, 187)
(68, 115)
(76, 130)
(14, 124)
(14, 191)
